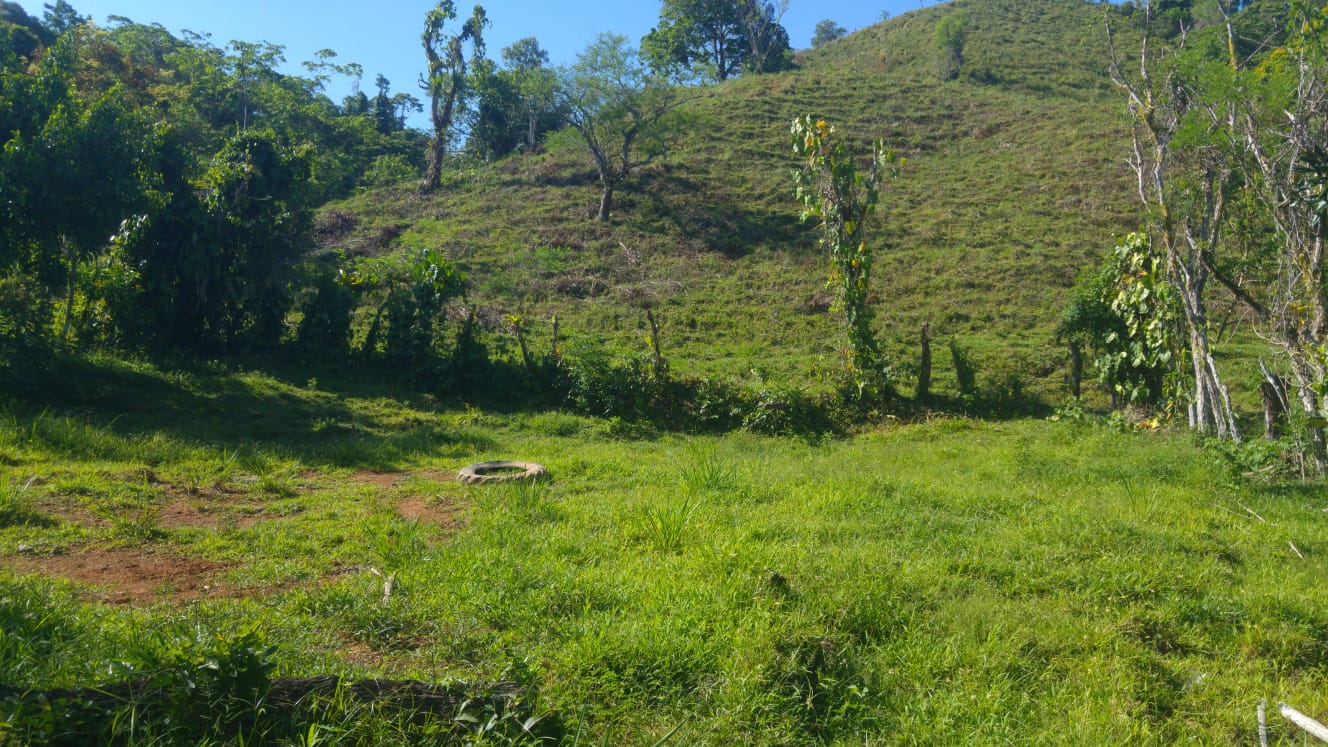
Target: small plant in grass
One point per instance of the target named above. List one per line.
(14, 508)
(706, 471)
(207, 473)
(268, 475)
(966, 371)
(665, 525)
(135, 518)
(394, 541)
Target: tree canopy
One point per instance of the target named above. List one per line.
(620, 107)
(826, 32)
(717, 39)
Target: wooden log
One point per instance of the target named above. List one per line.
(1311, 727)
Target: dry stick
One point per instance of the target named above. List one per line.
(1302, 557)
(555, 335)
(654, 340)
(1263, 723)
(1314, 728)
(388, 583)
(1251, 512)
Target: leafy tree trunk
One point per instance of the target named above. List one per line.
(1189, 234)
(442, 124)
(1288, 165)
(532, 120)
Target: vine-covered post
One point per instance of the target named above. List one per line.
(832, 189)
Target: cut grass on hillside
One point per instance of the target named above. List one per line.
(943, 582)
(1015, 182)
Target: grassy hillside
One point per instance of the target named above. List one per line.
(1015, 181)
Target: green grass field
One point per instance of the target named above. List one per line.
(937, 582)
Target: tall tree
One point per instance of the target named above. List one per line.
(447, 79)
(767, 39)
(383, 110)
(1182, 183)
(705, 36)
(536, 83)
(62, 17)
(951, 33)
(826, 32)
(621, 110)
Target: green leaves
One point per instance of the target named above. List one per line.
(830, 187)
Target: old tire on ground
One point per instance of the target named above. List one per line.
(502, 471)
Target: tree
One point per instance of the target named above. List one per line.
(951, 33)
(1182, 184)
(535, 83)
(1282, 127)
(620, 108)
(23, 34)
(74, 167)
(832, 190)
(767, 40)
(446, 82)
(495, 119)
(826, 32)
(1124, 313)
(385, 118)
(62, 17)
(705, 36)
(216, 262)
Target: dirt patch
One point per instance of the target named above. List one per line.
(388, 480)
(133, 576)
(177, 511)
(442, 513)
(186, 512)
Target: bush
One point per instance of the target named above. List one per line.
(388, 170)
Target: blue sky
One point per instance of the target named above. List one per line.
(384, 36)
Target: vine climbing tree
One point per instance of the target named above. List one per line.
(833, 190)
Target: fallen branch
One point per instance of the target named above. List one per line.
(1312, 727)
(1295, 549)
(1251, 512)
(1263, 723)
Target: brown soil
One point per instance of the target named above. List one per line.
(187, 512)
(448, 515)
(145, 575)
(444, 513)
(205, 511)
(133, 576)
(386, 480)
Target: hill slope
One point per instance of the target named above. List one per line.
(1015, 181)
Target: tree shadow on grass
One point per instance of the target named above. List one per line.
(724, 225)
(71, 404)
